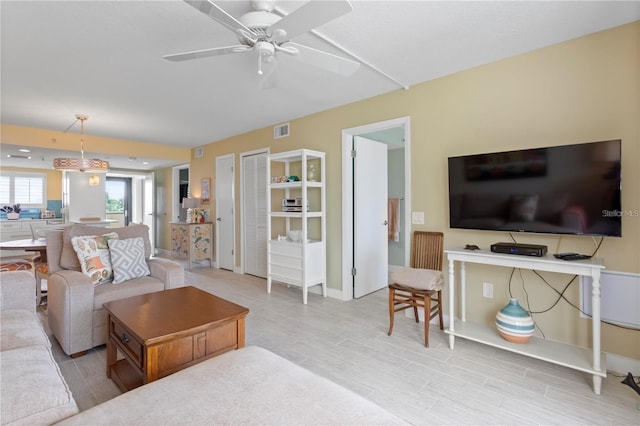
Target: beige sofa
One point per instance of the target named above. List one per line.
(247, 386)
(33, 389)
(76, 316)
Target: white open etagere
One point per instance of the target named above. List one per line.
(301, 263)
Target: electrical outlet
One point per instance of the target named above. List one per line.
(487, 290)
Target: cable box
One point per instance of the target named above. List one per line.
(521, 249)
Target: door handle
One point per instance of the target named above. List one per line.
(219, 219)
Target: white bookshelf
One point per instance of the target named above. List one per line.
(298, 263)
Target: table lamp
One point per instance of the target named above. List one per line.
(190, 204)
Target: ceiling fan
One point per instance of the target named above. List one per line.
(269, 34)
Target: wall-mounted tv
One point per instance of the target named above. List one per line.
(568, 189)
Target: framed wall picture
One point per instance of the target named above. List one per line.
(205, 190)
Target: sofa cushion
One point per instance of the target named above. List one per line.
(94, 256)
(246, 386)
(24, 371)
(21, 328)
(68, 258)
(127, 259)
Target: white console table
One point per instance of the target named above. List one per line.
(578, 358)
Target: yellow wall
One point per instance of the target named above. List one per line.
(583, 90)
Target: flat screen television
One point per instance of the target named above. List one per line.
(568, 189)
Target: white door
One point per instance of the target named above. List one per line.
(254, 213)
(225, 220)
(370, 211)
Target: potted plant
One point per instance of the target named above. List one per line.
(13, 212)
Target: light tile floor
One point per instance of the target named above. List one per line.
(347, 343)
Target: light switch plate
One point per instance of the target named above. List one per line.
(417, 218)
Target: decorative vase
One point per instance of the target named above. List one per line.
(13, 216)
(514, 323)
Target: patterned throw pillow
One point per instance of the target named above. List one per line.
(94, 257)
(127, 258)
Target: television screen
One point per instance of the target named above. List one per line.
(569, 189)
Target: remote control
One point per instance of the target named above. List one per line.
(577, 257)
(563, 255)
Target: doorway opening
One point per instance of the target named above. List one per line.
(131, 199)
(180, 191)
(395, 134)
(118, 200)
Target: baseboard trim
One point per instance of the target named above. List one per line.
(621, 365)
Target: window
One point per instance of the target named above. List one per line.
(26, 189)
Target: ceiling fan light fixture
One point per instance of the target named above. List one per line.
(91, 165)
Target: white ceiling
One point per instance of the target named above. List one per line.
(104, 59)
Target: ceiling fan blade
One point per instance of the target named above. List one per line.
(325, 60)
(216, 13)
(206, 53)
(307, 17)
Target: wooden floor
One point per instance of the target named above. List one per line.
(347, 343)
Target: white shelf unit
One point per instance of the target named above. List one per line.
(591, 361)
(301, 264)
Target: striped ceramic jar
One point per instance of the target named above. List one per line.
(514, 323)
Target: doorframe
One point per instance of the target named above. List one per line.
(175, 190)
(267, 152)
(347, 198)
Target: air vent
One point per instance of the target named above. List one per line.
(198, 152)
(281, 131)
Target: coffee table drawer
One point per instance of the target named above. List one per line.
(222, 338)
(127, 343)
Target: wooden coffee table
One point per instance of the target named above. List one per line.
(166, 331)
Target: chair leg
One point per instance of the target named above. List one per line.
(414, 298)
(38, 288)
(440, 309)
(392, 295)
(427, 318)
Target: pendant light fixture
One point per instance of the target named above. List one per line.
(91, 165)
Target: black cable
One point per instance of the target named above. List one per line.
(561, 293)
